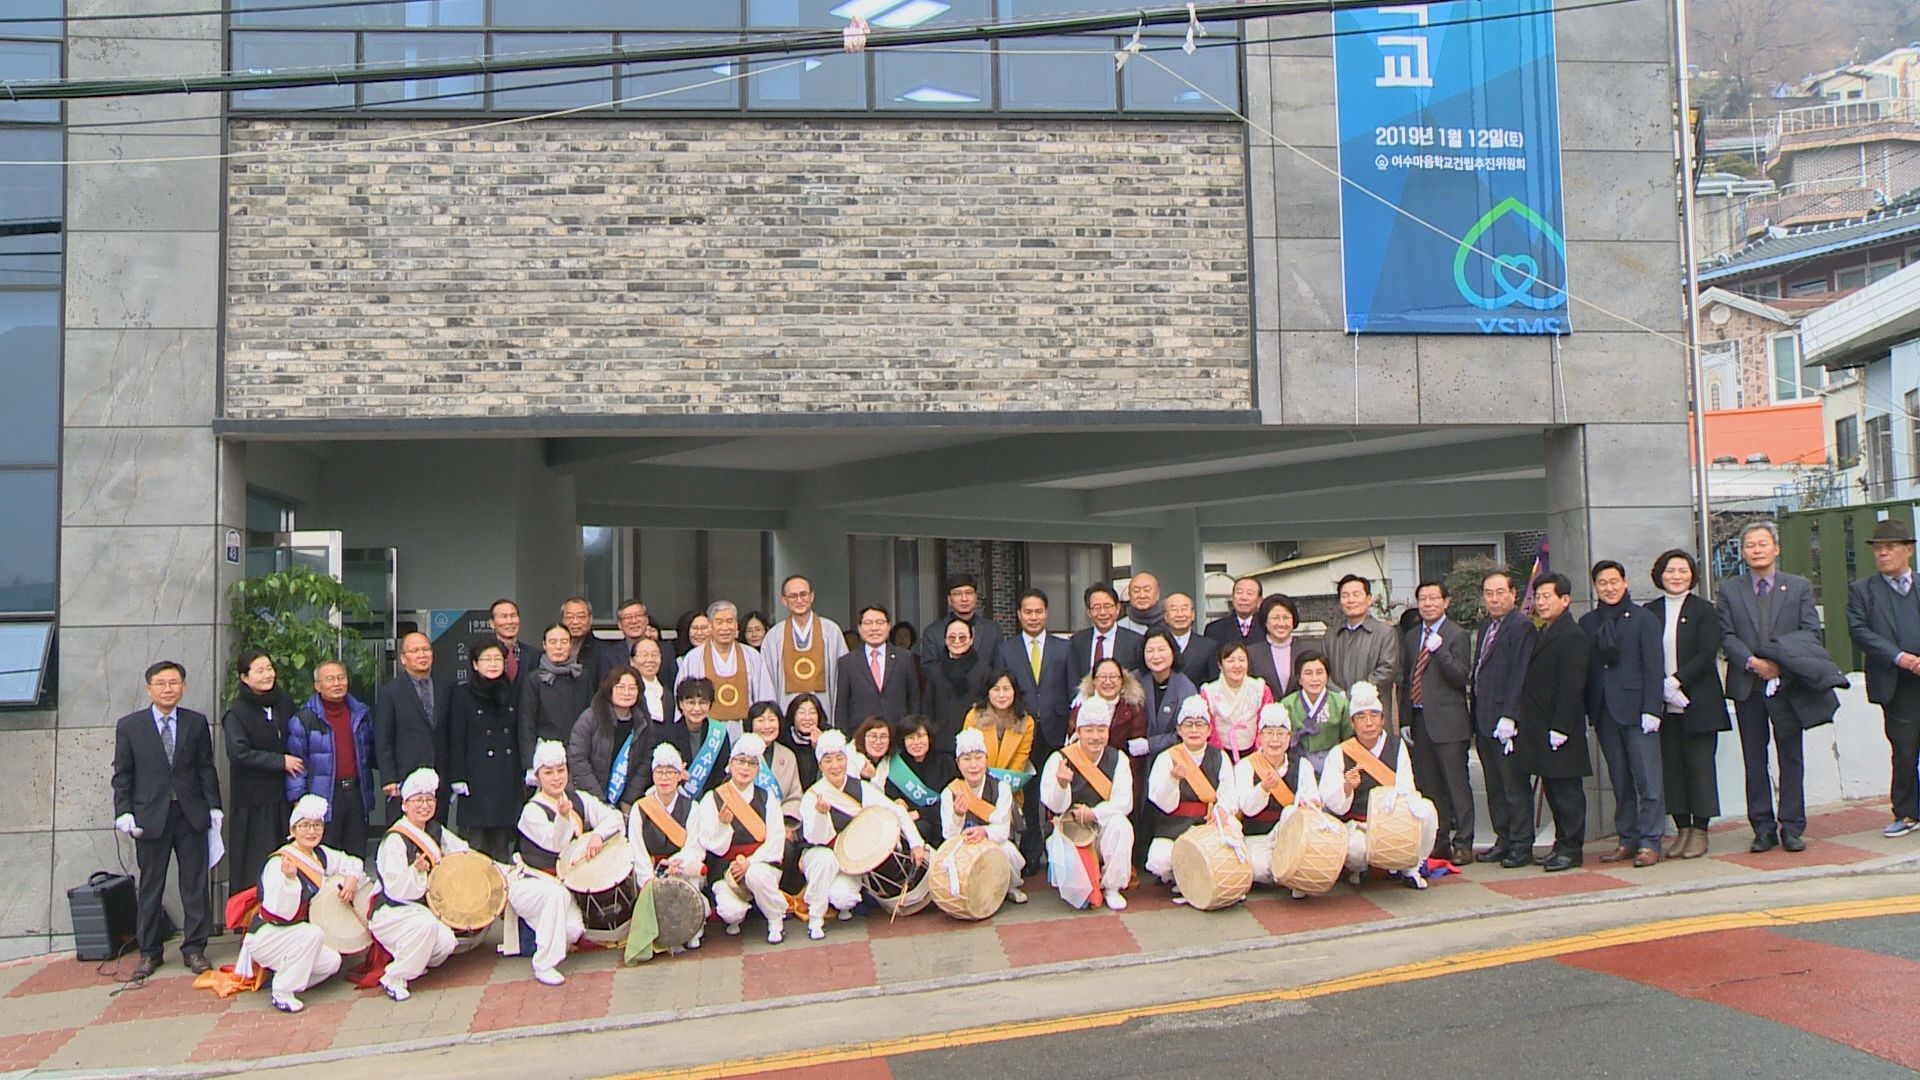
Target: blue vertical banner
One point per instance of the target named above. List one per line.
(1450, 203)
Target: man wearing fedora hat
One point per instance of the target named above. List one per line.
(1883, 615)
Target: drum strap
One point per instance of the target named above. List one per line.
(419, 837)
(834, 797)
(675, 833)
(1372, 766)
(1269, 775)
(1196, 776)
(314, 872)
(566, 810)
(743, 812)
(1082, 764)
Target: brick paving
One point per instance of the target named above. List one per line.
(61, 1013)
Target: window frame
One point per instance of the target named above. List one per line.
(1801, 387)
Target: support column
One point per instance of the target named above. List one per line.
(1614, 491)
(146, 491)
(1173, 554)
(814, 543)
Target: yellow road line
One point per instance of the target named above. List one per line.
(1423, 969)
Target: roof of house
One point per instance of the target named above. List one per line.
(1811, 242)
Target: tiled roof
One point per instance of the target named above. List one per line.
(1808, 243)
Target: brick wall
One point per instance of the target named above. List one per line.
(653, 267)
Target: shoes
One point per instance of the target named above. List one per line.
(1792, 841)
(695, 943)
(1560, 860)
(395, 991)
(548, 976)
(1647, 857)
(147, 966)
(845, 914)
(1462, 853)
(197, 962)
(1116, 902)
(1353, 878)
(1678, 843)
(815, 931)
(1900, 828)
(1298, 895)
(1517, 858)
(1696, 844)
(1415, 879)
(1618, 854)
(1764, 842)
(774, 934)
(1017, 894)
(733, 929)
(1496, 853)
(288, 1004)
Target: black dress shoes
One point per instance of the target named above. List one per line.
(1766, 841)
(1792, 841)
(147, 966)
(1496, 853)
(1559, 861)
(1517, 857)
(197, 962)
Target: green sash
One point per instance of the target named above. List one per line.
(902, 776)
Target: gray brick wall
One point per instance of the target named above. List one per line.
(653, 267)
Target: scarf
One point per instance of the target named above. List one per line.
(548, 670)
(617, 773)
(491, 693)
(272, 707)
(1607, 641)
(1149, 616)
(955, 670)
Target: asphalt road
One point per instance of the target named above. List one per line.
(1735, 1003)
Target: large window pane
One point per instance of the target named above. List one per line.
(449, 92)
(23, 661)
(1149, 88)
(1074, 73)
(26, 9)
(30, 371)
(678, 84)
(30, 199)
(801, 13)
(409, 13)
(27, 533)
(662, 14)
(266, 52)
(918, 79)
(23, 61)
(836, 81)
(584, 86)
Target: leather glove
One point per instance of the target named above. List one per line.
(1136, 747)
(125, 824)
(462, 790)
(1649, 723)
(1505, 730)
(1555, 740)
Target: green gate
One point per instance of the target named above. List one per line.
(1830, 548)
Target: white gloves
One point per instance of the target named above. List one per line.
(1555, 740)
(1649, 723)
(1674, 696)
(218, 816)
(1506, 747)
(460, 788)
(125, 824)
(1505, 730)
(1773, 687)
(1136, 747)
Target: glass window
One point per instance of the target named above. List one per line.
(51, 10)
(1214, 69)
(678, 84)
(30, 371)
(414, 13)
(558, 89)
(265, 52)
(917, 79)
(1786, 368)
(1846, 441)
(1809, 287)
(23, 661)
(808, 13)
(27, 532)
(1912, 405)
(1882, 270)
(448, 92)
(1073, 73)
(665, 14)
(31, 201)
(1850, 279)
(27, 61)
(837, 81)
(597, 554)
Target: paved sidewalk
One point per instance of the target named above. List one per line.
(59, 1014)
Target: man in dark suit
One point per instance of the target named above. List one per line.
(876, 679)
(1883, 615)
(1196, 656)
(1499, 666)
(166, 795)
(1041, 666)
(1241, 622)
(1626, 685)
(1552, 738)
(521, 657)
(410, 724)
(1756, 608)
(635, 624)
(576, 614)
(1436, 695)
(1106, 637)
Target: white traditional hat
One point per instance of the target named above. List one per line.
(309, 808)
(1275, 715)
(1194, 705)
(547, 754)
(420, 782)
(749, 746)
(969, 741)
(1362, 697)
(1095, 710)
(668, 754)
(829, 742)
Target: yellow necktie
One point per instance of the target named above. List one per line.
(1033, 655)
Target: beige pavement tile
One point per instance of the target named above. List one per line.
(1184, 928)
(676, 982)
(965, 950)
(374, 1020)
(1460, 894)
(41, 1012)
(165, 1041)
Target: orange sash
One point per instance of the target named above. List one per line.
(963, 797)
(836, 798)
(420, 839)
(566, 810)
(312, 871)
(1196, 776)
(675, 832)
(743, 812)
(1084, 765)
(1270, 775)
(805, 669)
(1372, 766)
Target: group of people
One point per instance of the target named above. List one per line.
(736, 768)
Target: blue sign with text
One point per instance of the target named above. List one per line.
(1450, 204)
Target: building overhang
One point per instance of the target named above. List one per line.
(1861, 328)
